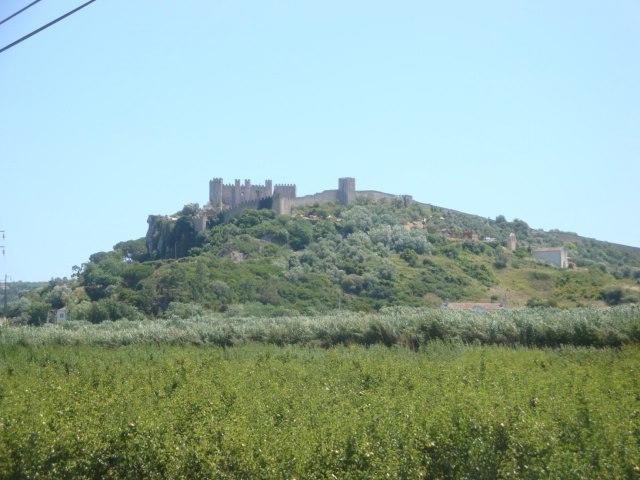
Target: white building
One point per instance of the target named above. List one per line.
(61, 314)
(556, 256)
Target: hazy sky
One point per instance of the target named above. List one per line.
(127, 108)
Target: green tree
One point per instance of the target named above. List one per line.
(300, 233)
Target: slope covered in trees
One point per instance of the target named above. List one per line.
(322, 258)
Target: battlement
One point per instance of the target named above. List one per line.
(225, 196)
(286, 190)
(230, 199)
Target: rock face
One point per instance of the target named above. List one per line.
(159, 235)
(173, 236)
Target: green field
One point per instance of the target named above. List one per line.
(261, 411)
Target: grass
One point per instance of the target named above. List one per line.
(260, 411)
(410, 327)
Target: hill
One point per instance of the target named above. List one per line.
(364, 256)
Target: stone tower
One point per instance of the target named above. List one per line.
(215, 192)
(512, 243)
(285, 190)
(346, 190)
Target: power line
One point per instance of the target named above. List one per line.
(19, 11)
(22, 39)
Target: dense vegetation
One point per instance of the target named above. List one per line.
(446, 411)
(409, 327)
(363, 257)
(15, 290)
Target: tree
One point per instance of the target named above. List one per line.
(132, 250)
(300, 233)
(38, 313)
(96, 281)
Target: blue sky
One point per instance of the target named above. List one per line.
(527, 109)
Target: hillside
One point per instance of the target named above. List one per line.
(321, 258)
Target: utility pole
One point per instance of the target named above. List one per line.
(4, 311)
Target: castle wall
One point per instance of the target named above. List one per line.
(233, 198)
(256, 203)
(237, 193)
(375, 195)
(326, 196)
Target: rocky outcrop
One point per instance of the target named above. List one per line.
(173, 236)
(159, 236)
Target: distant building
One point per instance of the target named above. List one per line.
(512, 242)
(556, 256)
(61, 314)
(473, 306)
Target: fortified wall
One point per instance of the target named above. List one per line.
(233, 197)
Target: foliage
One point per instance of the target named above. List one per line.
(617, 296)
(539, 327)
(500, 261)
(363, 257)
(446, 411)
(15, 290)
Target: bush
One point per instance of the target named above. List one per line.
(38, 313)
(411, 257)
(398, 239)
(539, 302)
(500, 261)
(104, 310)
(618, 296)
(300, 233)
(184, 310)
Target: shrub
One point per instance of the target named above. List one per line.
(539, 302)
(618, 296)
(500, 261)
(411, 257)
(38, 313)
(300, 233)
(398, 239)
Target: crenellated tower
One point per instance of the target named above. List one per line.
(215, 192)
(285, 190)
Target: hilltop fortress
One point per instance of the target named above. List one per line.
(230, 199)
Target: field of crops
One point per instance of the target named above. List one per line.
(263, 411)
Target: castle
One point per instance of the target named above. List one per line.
(230, 199)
